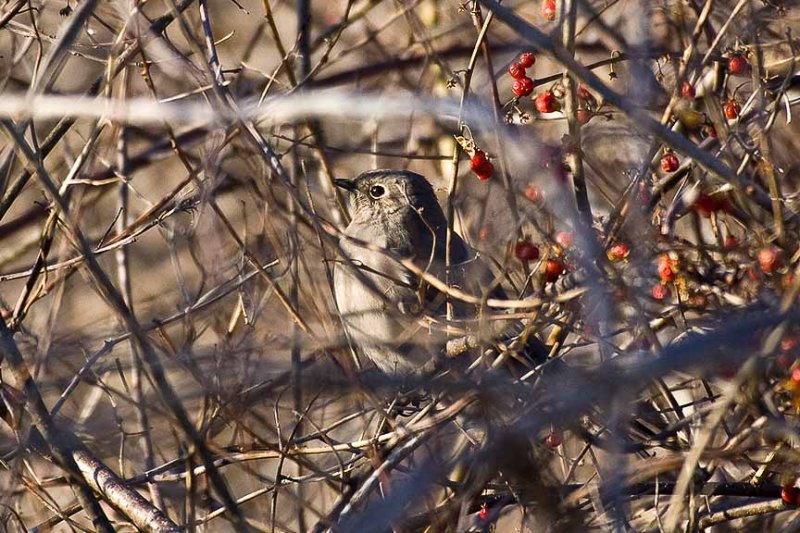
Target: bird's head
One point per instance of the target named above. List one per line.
(380, 195)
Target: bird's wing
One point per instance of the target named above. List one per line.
(383, 277)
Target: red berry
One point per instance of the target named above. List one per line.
(789, 494)
(527, 59)
(553, 269)
(769, 259)
(619, 251)
(737, 65)
(731, 109)
(670, 162)
(790, 343)
(705, 205)
(660, 291)
(481, 166)
(553, 439)
(516, 70)
(477, 159)
(546, 102)
(584, 115)
(731, 241)
(666, 268)
(549, 9)
(687, 90)
(525, 251)
(486, 171)
(522, 86)
(533, 193)
(564, 239)
(484, 512)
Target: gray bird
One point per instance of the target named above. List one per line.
(381, 302)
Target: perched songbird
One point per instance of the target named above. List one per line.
(395, 214)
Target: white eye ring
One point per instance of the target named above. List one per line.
(377, 191)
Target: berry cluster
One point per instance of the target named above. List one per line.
(523, 84)
(737, 66)
(667, 272)
(555, 265)
(686, 239)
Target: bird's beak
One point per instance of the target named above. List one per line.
(347, 185)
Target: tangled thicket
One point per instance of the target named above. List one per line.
(171, 353)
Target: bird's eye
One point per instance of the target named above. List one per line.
(377, 191)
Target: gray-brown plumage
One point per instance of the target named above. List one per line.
(381, 302)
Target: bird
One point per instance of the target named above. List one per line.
(382, 304)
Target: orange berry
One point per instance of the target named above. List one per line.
(659, 291)
(769, 259)
(549, 9)
(666, 268)
(687, 91)
(619, 251)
